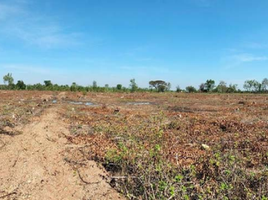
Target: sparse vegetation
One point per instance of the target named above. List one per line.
(250, 86)
(162, 145)
(179, 147)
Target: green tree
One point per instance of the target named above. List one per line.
(252, 85)
(133, 85)
(202, 87)
(159, 85)
(232, 88)
(106, 87)
(222, 87)
(190, 89)
(168, 86)
(74, 87)
(21, 85)
(178, 89)
(118, 86)
(248, 85)
(8, 79)
(264, 85)
(48, 83)
(257, 86)
(209, 85)
(95, 85)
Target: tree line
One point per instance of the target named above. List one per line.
(209, 86)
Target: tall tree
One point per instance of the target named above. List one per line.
(74, 87)
(168, 86)
(248, 85)
(264, 85)
(232, 88)
(160, 85)
(178, 88)
(95, 85)
(119, 86)
(133, 85)
(222, 87)
(48, 83)
(21, 85)
(8, 79)
(209, 85)
(252, 85)
(106, 87)
(257, 86)
(202, 87)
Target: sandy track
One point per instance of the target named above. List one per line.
(33, 165)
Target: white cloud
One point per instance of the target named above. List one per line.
(26, 68)
(17, 21)
(31, 73)
(256, 45)
(248, 58)
(7, 11)
(50, 36)
(240, 59)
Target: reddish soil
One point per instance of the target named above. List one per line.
(35, 165)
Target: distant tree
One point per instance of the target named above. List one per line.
(252, 85)
(48, 83)
(248, 85)
(8, 79)
(202, 87)
(168, 86)
(232, 88)
(21, 85)
(133, 85)
(178, 89)
(190, 89)
(74, 87)
(119, 87)
(222, 87)
(159, 85)
(264, 85)
(95, 85)
(209, 85)
(38, 86)
(106, 86)
(257, 86)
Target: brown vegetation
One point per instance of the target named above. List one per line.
(172, 146)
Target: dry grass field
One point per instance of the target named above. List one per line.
(142, 145)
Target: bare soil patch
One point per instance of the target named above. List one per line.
(36, 165)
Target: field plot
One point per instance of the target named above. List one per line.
(152, 146)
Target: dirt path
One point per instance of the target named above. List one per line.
(34, 166)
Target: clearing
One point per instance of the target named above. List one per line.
(34, 165)
(71, 145)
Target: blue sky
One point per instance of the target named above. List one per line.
(184, 42)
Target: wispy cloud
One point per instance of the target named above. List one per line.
(248, 58)
(256, 45)
(26, 68)
(243, 58)
(31, 73)
(7, 11)
(34, 29)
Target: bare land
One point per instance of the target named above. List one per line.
(58, 145)
(35, 163)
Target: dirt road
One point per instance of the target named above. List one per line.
(35, 165)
